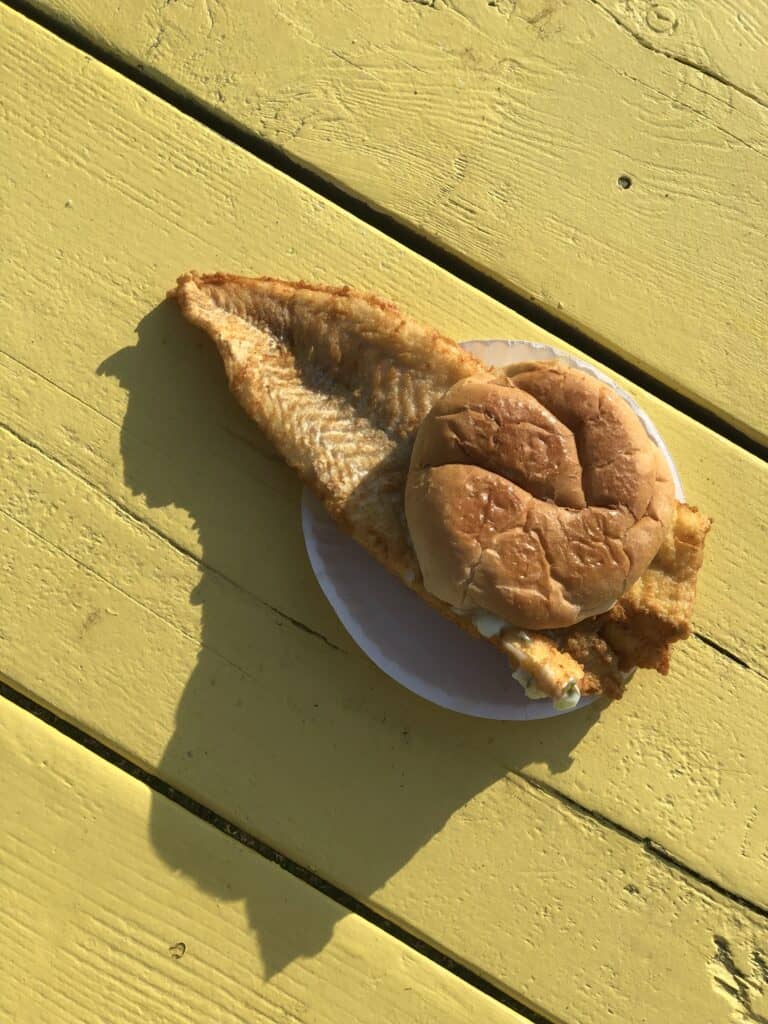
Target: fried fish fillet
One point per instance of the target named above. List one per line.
(340, 382)
(656, 611)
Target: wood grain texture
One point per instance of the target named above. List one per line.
(360, 786)
(499, 130)
(95, 926)
(194, 200)
(679, 778)
(151, 532)
(723, 40)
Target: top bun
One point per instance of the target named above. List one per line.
(535, 494)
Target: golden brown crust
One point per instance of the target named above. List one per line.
(340, 381)
(602, 672)
(221, 279)
(535, 494)
(656, 612)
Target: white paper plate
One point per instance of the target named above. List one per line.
(401, 634)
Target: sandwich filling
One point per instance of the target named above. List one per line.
(534, 494)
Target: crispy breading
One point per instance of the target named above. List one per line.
(552, 669)
(656, 611)
(340, 382)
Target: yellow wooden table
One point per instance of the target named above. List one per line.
(214, 807)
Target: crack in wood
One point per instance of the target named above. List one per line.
(677, 58)
(737, 985)
(446, 259)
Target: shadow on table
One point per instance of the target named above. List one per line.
(305, 746)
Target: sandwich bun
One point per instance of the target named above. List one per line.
(535, 494)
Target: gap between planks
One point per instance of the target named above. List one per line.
(299, 872)
(388, 225)
(205, 566)
(11, 691)
(189, 555)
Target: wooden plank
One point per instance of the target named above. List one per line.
(411, 809)
(500, 131)
(62, 535)
(421, 813)
(195, 484)
(225, 472)
(723, 40)
(96, 925)
(238, 214)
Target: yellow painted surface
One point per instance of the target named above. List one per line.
(500, 130)
(724, 39)
(63, 508)
(563, 911)
(95, 927)
(196, 201)
(154, 551)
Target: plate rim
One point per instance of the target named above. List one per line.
(356, 628)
